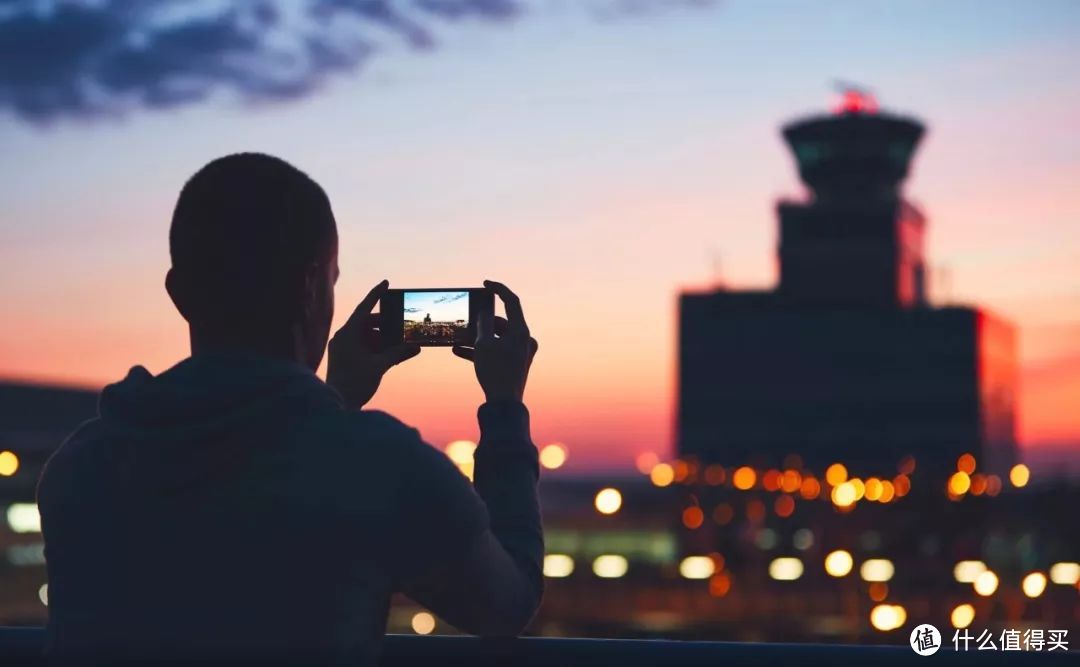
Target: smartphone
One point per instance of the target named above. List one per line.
(433, 316)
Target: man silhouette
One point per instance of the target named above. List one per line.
(236, 506)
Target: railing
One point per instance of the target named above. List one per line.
(22, 646)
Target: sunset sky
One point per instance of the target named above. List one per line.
(597, 162)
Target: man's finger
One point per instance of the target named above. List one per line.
(399, 353)
(464, 352)
(510, 300)
(367, 304)
(500, 325)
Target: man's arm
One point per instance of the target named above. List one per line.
(494, 584)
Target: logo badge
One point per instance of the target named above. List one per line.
(925, 639)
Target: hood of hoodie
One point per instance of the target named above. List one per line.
(202, 417)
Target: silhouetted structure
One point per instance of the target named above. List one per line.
(845, 360)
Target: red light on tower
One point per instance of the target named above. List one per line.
(855, 101)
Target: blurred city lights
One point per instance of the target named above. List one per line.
(790, 481)
(423, 623)
(986, 583)
(744, 478)
(662, 474)
(839, 563)
(811, 488)
(719, 584)
(9, 463)
(1065, 573)
(693, 517)
(610, 566)
(844, 494)
(24, 518)
(874, 489)
(859, 487)
(966, 464)
(608, 501)
(836, 474)
(902, 484)
(557, 566)
(962, 616)
(1019, 475)
(967, 571)
(887, 617)
(1034, 584)
(784, 506)
(646, 461)
(888, 491)
(785, 569)
(715, 475)
(803, 539)
(697, 567)
(877, 569)
(723, 514)
(553, 456)
(878, 591)
(959, 483)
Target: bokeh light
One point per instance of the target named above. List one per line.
(744, 478)
(888, 617)
(877, 569)
(423, 623)
(697, 567)
(608, 501)
(610, 566)
(785, 568)
(839, 563)
(1019, 475)
(967, 571)
(557, 566)
(553, 456)
(962, 616)
(986, 583)
(662, 474)
(1065, 573)
(836, 474)
(9, 463)
(1034, 584)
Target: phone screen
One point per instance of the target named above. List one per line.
(435, 318)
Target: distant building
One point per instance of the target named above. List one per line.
(845, 360)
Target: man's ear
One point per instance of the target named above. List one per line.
(175, 286)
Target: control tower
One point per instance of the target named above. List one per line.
(845, 360)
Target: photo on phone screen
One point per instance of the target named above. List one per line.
(435, 318)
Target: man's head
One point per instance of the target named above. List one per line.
(254, 258)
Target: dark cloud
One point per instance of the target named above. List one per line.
(449, 298)
(86, 58)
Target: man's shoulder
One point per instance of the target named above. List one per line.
(363, 431)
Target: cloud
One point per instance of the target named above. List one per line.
(450, 298)
(91, 58)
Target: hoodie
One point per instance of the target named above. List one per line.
(231, 507)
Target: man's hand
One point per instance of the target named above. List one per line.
(357, 361)
(504, 350)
